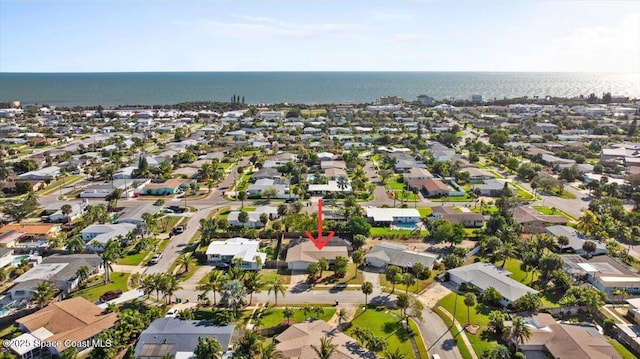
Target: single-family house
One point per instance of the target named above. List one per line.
(32, 185)
(485, 275)
(44, 174)
(491, 188)
(332, 186)
(95, 236)
(177, 338)
(385, 254)
(282, 187)
(468, 219)
(255, 217)
(431, 187)
(442, 153)
(477, 174)
(266, 172)
(392, 216)
(53, 212)
(102, 190)
(576, 240)
(634, 309)
(603, 272)
(33, 232)
(166, 187)
(533, 221)
(223, 253)
(302, 251)
(299, 340)
(416, 174)
(74, 322)
(333, 164)
(61, 270)
(551, 339)
(134, 214)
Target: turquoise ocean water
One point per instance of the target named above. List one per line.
(110, 89)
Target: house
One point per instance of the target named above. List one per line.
(333, 164)
(33, 185)
(298, 340)
(266, 172)
(491, 188)
(576, 240)
(177, 338)
(385, 254)
(603, 272)
(431, 187)
(167, 187)
(32, 235)
(533, 221)
(468, 219)
(53, 212)
(69, 323)
(335, 173)
(485, 275)
(416, 174)
(58, 269)
(392, 216)
(44, 174)
(550, 339)
(223, 253)
(102, 190)
(95, 236)
(441, 153)
(282, 187)
(301, 252)
(477, 174)
(133, 215)
(254, 217)
(332, 186)
(634, 309)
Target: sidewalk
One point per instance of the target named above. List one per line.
(461, 332)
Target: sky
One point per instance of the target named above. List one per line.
(308, 35)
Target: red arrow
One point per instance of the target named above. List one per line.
(319, 242)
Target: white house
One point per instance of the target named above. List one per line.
(223, 253)
(254, 217)
(388, 216)
(385, 254)
(576, 240)
(102, 233)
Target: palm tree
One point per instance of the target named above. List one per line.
(208, 348)
(276, 287)
(507, 251)
(343, 316)
(184, 260)
(75, 245)
(242, 196)
(252, 283)
(114, 197)
(367, 288)
(66, 210)
(288, 313)
(109, 255)
(519, 331)
(249, 346)
(469, 301)
(170, 286)
(587, 223)
(326, 349)
(394, 355)
(44, 293)
(323, 263)
(408, 280)
(270, 351)
(82, 273)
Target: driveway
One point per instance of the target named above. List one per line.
(125, 297)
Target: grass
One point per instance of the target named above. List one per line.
(553, 211)
(388, 232)
(386, 326)
(462, 347)
(269, 275)
(68, 180)
(621, 349)
(465, 198)
(273, 316)
(314, 112)
(420, 285)
(478, 316)
(567, 195)
(10, 331)
(172, 221)
(92, 293)
(425, 211)
(352, 276)
(513, 266)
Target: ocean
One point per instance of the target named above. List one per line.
(148, 88)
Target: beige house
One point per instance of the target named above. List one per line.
(302, 252)
(296, 341)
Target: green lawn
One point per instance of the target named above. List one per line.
(55, 186)
(465, 198)
(388, 232)
(386, 326)
(478, 316)
(314, 112)
(513, 266)
(621, 349)
(416, 288)
(553, 211)
(422, 347)
(92, 293)
(425, 211)
(567, 195)
(272, 317)
(352, 276)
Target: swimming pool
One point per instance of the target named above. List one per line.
(18, 259)
(410, 226)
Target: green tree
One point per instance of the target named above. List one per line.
(288, 313)
(269, 193)
(242, 196)
(233, 295)
(341, 265)
(520, 331)
(496, 321)
(403, 302)
(252, 283)
(589, 247)
(469, 301)
(342, 316)
(326, 348)
(249, 346)
(323, 264)
(359, 225)
(313, 270)
(66, 210)
(276, 287)
(44, 293)
(243, 217)
(110, 253)
(82, 273)
(358, 258)
(529, 302)
(184, 261)
(75, 245)
(395, 355)
(408, 280)
(367, 289)
(391, 276)
(208, 348)
(491, 296)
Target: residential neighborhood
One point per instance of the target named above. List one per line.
(449, 229)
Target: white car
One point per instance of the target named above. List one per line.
(156, 258)
(172, 313)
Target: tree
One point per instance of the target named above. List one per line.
(252, 283)
(589, 247)
(70, 353)
(520, 331)
(44, 293)
(491, 296)
(288, 313)
(394, 355)
(269, 193)
(109, 256)
(358, 225)
(249, 346)
(547, 264)
(358, 241)
(408, 280)
(507, 251)
(82, 273)
(391, 276)
(402, 302)
(469, 301)
(341, 265)
(342, 315)
(114, 196)
(242, 196)
(452, 261)
(243, 217)
(587, 223)
(19, 210)
(326, 348)
(313, 270)
(233, 295)
(75, 245)
(496, 321)
(367, 288)
(66, 210)
(264, 219)
(208, 348)
(529, 302)
(358, 258)
(499, 352)
(276, 287)
(184, 260)
(323, 264)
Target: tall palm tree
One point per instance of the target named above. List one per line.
(587, 223)
(276, 287)
(170, 286)
(326, 349)
(469, 301)
(109, 256)
(44, 293)
(82, 273)
(66, 210)
(367, 288)
(507, 251)
(184, 260)
(252, 283)
(519, 331)
(288, 313)
(249, 346)
(343, 316)
(75, 245)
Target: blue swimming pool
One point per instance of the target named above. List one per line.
(410, 226)
(18, 259)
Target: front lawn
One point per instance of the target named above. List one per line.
(385, 326)
(553, 211)
(93, 292)
(353, 276)
(273, 316)
(425, 211)
(388, 232)
(621, 349)
(465, 198)
(420, 285)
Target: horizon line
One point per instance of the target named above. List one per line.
(314, 71)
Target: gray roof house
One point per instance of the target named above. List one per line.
(179, 338)
(491, 187)
(59, 269)
(133, 215)
(576, 240)
(385, 254)
(485, 275)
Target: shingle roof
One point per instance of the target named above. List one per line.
(485, 275)
(306, 251)
(400, 255)
(296, 341)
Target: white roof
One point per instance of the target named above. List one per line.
(485, 275)
(588, 267)
(243, 248)
(24, 344)
(42, 271)
(389, 214)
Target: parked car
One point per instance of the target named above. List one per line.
(172, 313)
(156, 258)
(110, 295)
(179, 229)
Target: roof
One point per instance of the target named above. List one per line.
(108, 231)
(170, 183)
(174, 335)
(296, 341)
(390, 214)
(32, 229)
(491, 184)
(134, 214)
(73, 319)
(60, 269)
(576, 239)
(400, 255)
(523, 214)
(485, 275)
(567, 340)
(238, 247)
(432, 184)
(305, 251)
(448, 214)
